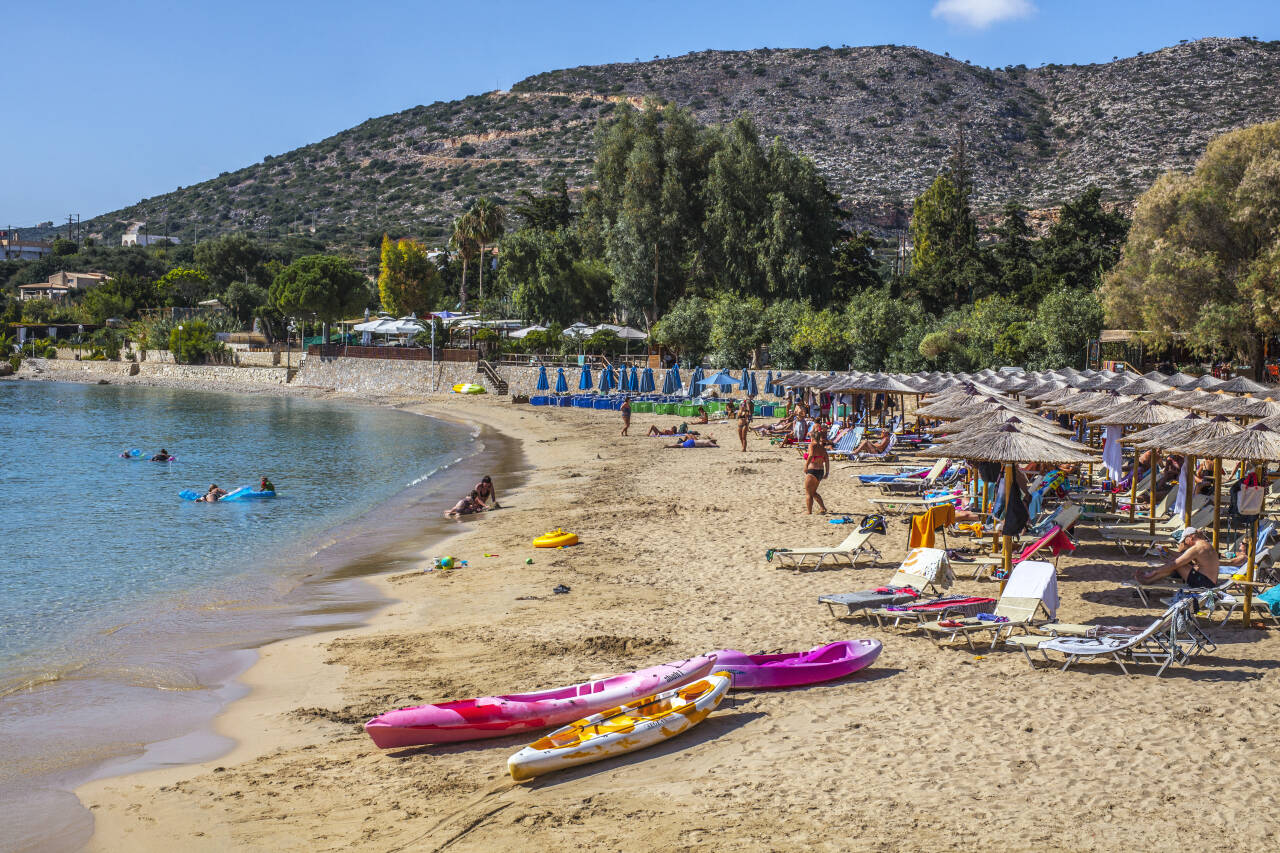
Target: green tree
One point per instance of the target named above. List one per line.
(102, 303)
(854, 267)
(1065, 321)
(408, 280)
(194, 342)
(37, 310)
(549, 279)
(685, 329)
(945, 266)
(467, 248)
(878, 327)
(1201, 255)
(737, 330)
(63, 246)
(549, 211)
(1082, 245)
(328, 287)
(821, 334)
(232, 257)
(1013, 255)
(246, 300)
(488, 226)
(183, 287)
(782, 321)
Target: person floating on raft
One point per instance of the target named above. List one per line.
(214, 494)
(266, 486)
(162, 456)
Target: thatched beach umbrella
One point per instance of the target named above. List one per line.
(1249, 407)
(1174, 437)
(1208, 382)
(1141, 413)
(1002, 415)
(1181, 380)
(1258, 444)
(1242, 385)
(1011, 444)
(1142, 385)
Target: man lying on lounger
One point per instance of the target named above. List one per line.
(1196, 563)
(709, 441)
(869, 446)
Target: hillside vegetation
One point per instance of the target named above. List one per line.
(878, 122)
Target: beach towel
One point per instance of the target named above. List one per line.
(1112, 457)
(941, 604)
(1180, 503)
(1034, 579)
(924, 524)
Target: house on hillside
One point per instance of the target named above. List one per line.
(60, 284)
(13, 248)
(136, 239)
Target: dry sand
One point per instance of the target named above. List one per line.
(932, 748)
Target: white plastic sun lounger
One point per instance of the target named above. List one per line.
(922, 569)
(856, 545)
(1159, 643)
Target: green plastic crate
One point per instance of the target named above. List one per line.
(665, 408)
(642, 406)
(687, 410)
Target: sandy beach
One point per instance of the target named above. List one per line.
(931, 748)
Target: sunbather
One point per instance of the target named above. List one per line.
(709, 441)
(869, 446)
(681, 429)
(1197, 563)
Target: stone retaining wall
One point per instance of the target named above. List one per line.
(93, 370)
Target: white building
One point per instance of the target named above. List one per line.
(60, 284)
(14, 249)
(136, 239)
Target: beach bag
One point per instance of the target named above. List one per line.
(1247, 497)
(1249, 500)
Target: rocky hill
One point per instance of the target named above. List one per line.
(878, 121)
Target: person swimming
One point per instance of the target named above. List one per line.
(214, 494)
(162, 456)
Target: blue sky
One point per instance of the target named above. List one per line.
(113, 102)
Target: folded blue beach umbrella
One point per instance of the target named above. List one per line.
(624, 380)
(584, 380)
(646, 381)
(695, 381)
(749, 382)
(562, 387)
(668, 383)
(635, 379)
(675, 377)
(543, 385)
(607, 382)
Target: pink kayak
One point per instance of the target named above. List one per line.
(498, 716)
(763, 672)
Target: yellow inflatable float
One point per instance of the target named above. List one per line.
(468, 388)
(555, 539)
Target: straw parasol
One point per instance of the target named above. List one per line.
(1155, 376)
(1259, 444)
(995, 417)
(1207, 382)
(1199, 400)
(1249, 407)
(1142, 413)
(1142, 385)
(1180, 380)
(1175, 436)
(1010, 444)
(1242, 385)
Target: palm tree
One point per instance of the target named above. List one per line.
(467, 248)
(489, 222)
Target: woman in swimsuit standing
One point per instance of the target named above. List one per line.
(817, 465)
(744, 422)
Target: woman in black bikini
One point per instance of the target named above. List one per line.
(484, 490)
(744, 423)
(816, 467)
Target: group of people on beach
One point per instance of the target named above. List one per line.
(481, 499)
(691, 438)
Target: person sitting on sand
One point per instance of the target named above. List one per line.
(869, 446)
(709, 441)
(485, 492)
(266, 485)
(214, 494)
(468, 505)
(702, 415)
(1196, 563)
(162, 456)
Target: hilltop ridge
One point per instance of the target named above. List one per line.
(878, 121)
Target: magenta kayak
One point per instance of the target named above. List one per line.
(498, 716)
(763, 672)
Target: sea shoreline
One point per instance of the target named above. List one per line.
(335, 596)
(672, 564)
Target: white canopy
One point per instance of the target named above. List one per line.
(625, 332)
(520, 333)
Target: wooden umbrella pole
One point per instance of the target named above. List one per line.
(1007, 561)
(1191, 490)
(1217, 500)
(1133, 483)
(1155, 461)
(1253, 544)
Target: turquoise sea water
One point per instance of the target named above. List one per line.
(122, 605)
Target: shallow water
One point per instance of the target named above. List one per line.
(128, 611)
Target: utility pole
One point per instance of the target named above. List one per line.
(655, 282)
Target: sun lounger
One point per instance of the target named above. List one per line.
(1225, 577)
(1055, 538)
(846, 443)
(886, 503)
(1163, 508)
(923, 569)
(878, 457)
(855, 546)
(1031, 590)
(915, 614)
(916, 485)
(1140, 536)
(1159, 643)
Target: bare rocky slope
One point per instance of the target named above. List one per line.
(879, 121)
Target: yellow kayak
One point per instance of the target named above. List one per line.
(555, 539)
(624, 729)
(468, 388)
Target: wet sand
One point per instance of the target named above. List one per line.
(931, 748)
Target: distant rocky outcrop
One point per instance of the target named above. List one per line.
(877, 120)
